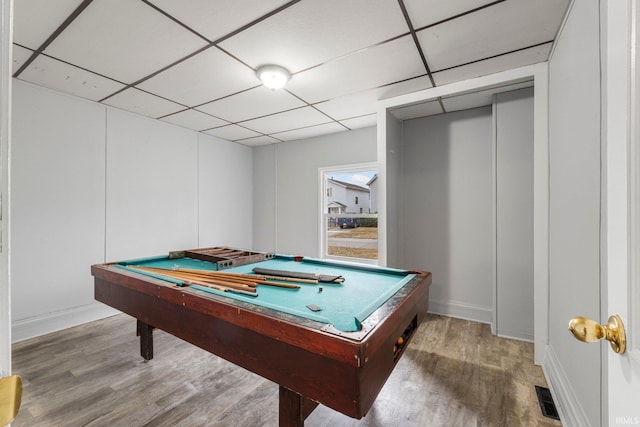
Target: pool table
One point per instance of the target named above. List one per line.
(333, 343)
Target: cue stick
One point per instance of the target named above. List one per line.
(278, 285)
(250, 276)
(254, 280)
(251, 280)
(228, 275)
(187, 276)
(255, 277)
(290, 279)
(226, 279)
(221, 288)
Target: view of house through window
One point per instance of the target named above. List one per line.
(350, 213)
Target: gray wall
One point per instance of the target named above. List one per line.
(514, 214)
(286, 195)
(93, 184)
(447, 218)
(574, 140)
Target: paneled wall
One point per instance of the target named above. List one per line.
(513, 114)
(286, 187)
(446, 218)
(152, 187)
(574, 210)
(92, 184)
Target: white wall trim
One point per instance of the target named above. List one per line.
(541, 193)
(539, 74)
(52, 322)
(494, 214)
(569, 407)
(381, 136)
(562, 25)
(522, 337)
(461, 310)
(6, 29)
(322, 198)
(522, 74)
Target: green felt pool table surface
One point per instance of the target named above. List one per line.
(343, 305)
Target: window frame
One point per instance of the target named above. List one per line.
(323, 174)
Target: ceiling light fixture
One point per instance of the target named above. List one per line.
(273, 76)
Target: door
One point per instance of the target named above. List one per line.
(622, 373)
(620, 210)
(621, 131)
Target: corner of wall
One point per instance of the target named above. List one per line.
(568, 405)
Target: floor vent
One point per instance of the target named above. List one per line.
(546, 403)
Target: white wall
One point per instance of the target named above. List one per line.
(152, 176)
(264, 195)
(446, 218)
(225, 193)
(58, 205)
(513, 113)
(286, 189)
(574, 217)
(94, 184)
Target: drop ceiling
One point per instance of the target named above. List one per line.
(192, 62)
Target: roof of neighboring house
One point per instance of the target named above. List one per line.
(372, 179)
(336, 204)
(349, 185)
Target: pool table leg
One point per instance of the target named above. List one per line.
(145, 332)
(294, 408)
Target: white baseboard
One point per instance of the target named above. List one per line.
(461, 310)
(52, 322)
(569, 407)
(515, 336)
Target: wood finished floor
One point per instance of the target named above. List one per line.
(453, 373)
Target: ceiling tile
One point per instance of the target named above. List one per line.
(369, 68)
(498, 29)
(194, 120)
(137, 101)
(232, 132)
(204, 77)
(309, 132)
(312, 32)
(35, 20)
(345, 55)
(260, 140)
(255, 102)
(417, 110)
(19, 56)
(365, 102)
(123, 39)
(66, 78)
(214, 19)
(427, 12)
(493, 65)
(361, 122)
(302, 117)
(479, 98)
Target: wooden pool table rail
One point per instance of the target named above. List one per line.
(309, 364)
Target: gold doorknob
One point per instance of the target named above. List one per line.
(587, 330)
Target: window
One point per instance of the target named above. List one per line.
(349, 229)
